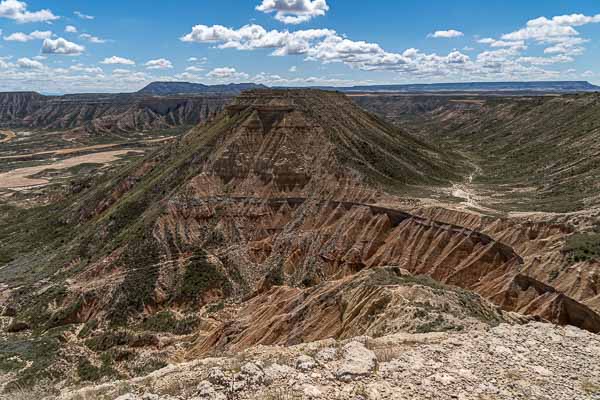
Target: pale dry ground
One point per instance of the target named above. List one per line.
(534, 361)
(69, 150)
(9, 135)
(21, 177)
(72, 150)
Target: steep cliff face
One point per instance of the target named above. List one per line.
(541, 245)
(15, 106)
(101, 113)
(299, 242)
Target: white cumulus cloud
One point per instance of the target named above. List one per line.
(91, 38)
(83, 16)
(70, 29)
(62, 46)
(252, 37)
(194, 69)
(86, 69)
(294, 11)
(160, 63)
(25, 37)
(117, 60)
(226, 73)
(17, 11)
(448, 34)
(28, 63)
(557, 34)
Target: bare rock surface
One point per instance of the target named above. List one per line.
(533, 361)
(357, 362)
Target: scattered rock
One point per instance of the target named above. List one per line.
(312, 392)
(480, 368)
(253, 373)
(128, 396)
(9, 311)
(206, 391)
(305, 363)
(216, 376)
(326, 355)
(357, 361)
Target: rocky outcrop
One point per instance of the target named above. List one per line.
(505, 362)
(540, 243)
(306, 242)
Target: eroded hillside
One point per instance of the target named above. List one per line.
(107, 113)
(290, 217)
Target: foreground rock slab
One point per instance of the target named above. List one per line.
(533, 361)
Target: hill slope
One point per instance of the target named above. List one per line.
(276, 199)
(279, 145)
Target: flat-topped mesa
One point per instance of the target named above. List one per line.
(300, 99)
(286, 100)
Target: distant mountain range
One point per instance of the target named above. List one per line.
(169, 88)
(163, 105)
(542, 86)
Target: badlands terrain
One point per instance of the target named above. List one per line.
(300, 244)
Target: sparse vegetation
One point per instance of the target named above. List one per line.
(91, 373)
(34, 358)
(583, 247)
(147, 366)
(200, 276)
(167, 321)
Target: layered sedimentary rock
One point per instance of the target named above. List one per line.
(281, 190)
(374, 302)
(106, 113)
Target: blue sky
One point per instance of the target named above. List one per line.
(75, 46)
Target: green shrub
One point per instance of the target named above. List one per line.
(166, 321)
(200, 276)
(90, 373)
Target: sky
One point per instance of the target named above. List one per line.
(74, 46)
